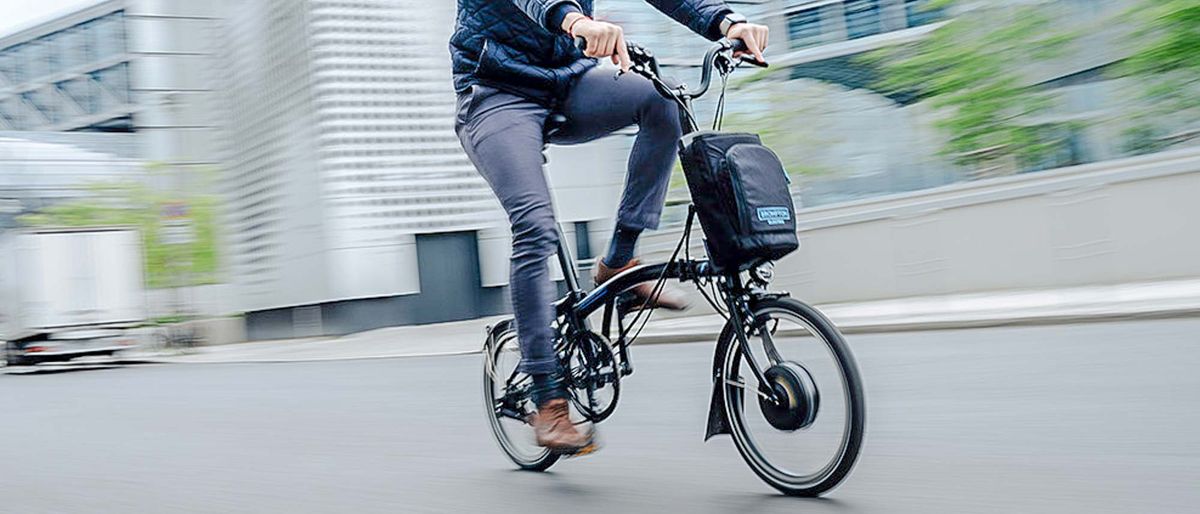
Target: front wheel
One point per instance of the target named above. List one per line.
(804, 436)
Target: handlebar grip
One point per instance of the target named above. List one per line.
(580, 43)
(737, 45)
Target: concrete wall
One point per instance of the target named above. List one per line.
(1126, 220)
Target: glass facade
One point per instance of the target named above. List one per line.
(804, 28)
(918, 12)
(863, 18)
(811, 26)
(85, 65)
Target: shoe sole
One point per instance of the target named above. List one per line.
(569, 453)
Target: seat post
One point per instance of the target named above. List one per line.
(554, 122)
(567, 262)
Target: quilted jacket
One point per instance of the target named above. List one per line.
(513, 45)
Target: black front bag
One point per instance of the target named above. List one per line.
(741, 194)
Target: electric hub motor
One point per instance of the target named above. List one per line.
(796, 399)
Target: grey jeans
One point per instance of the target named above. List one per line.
(503, 134)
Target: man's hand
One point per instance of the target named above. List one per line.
(603, 39)
(755, 36)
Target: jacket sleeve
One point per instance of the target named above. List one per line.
(541, 10)
(702, 16)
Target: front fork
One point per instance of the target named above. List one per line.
(741, 304)
(740, 314)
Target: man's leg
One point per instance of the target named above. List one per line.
(600, 104)
(502, 135)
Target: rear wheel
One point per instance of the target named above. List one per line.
(804, 437)
(506, 394)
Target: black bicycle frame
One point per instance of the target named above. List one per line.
(576, 307)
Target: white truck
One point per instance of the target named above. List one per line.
(67, 293)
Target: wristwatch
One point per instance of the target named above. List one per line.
(730, 20)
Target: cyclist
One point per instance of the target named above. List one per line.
(515, 64)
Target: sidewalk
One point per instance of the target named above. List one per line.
(1127, 301)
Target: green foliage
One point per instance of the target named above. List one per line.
(1142, 139)
(970, 68)
(1166, 58)
(1168, 37)
(135, 204)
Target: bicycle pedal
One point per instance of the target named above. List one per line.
(591, 448)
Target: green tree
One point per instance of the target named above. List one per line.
(970, 68)
(1166, 59)
(133, 203)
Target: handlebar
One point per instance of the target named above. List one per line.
(646, 65)
(710, 62)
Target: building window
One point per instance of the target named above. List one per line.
(6, 69)
(17, 58)
(43, 102)
(918, 12)
(110, 35)
(50, 49)
(583, 242)
(89, 47)
(804, 28)
(1064, 146)
(83, 92)
(116, 80)
(10, 112)
(862, 18)
(39, 59)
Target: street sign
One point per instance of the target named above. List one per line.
(176, 223)
(174, 211)
(178, 233)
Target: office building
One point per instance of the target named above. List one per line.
(139, 66)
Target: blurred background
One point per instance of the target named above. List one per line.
(183, 173)
(293, 164)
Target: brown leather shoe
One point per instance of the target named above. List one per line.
(554, 430)
(670, 298)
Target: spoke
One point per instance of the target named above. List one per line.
(742, 385)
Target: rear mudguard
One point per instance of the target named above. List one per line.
(718, 422)
(494, 331)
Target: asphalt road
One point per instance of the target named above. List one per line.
(1085, 418)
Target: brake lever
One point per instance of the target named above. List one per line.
(747, 59)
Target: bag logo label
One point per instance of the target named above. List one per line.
(774, 215)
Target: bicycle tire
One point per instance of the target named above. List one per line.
(496, 343)
(733, 402)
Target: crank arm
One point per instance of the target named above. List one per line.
(510, 413)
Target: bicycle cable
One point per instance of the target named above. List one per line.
(719, 115)
(643, 315)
